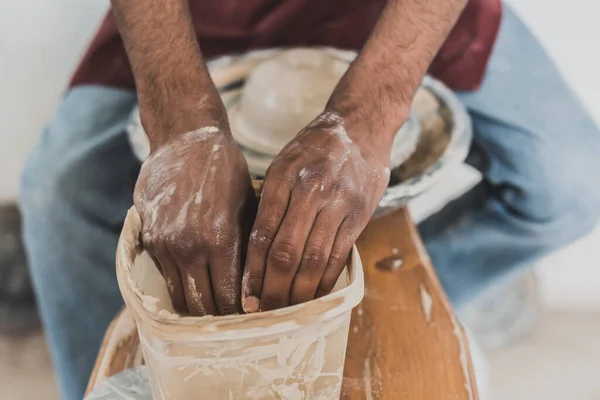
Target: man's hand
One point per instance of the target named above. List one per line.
(196, 202)
(318, 196)
(194, 193)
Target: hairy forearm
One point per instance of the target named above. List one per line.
(175, 92)
(377, 90)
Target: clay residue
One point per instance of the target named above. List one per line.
(426, 303)
(390, 263)
(436, 128)
(194, 295)
(368, 379)
(464, 361)
(121, 360)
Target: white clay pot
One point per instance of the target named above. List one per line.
(296, 352)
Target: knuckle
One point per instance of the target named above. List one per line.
(313, 181)
(359, 200)
(283, 257)
(337, 258)
(262, 237)
(226, 244)
(313, 261)
(252, 276)
(277, 174)
(357, 218)
(180, 246)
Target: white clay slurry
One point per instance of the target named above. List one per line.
(464, 361)
(201, 134)
(304, 172)
(165, 163)
(256, 238)
(245, 288)
(198, 197)
(426, 303)
(173, 229)
(194, 295)
(387, 173)
(336, 122)
(202, 101)
(154, 203)
(368, 379)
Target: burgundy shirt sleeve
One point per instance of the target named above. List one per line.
(225, 27)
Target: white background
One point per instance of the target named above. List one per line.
(41, 41)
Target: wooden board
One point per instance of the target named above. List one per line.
(405, 342)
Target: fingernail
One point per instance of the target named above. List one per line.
(251, 304)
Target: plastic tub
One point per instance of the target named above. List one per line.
(294, 353)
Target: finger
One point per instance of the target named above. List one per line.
(287, 249)
(225, 273)
(271, 210)
(248, 217)
(344, 240)
(197, 287)
(170, 272)
(316, 255)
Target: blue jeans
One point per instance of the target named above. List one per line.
(535, 144)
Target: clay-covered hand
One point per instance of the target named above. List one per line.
(318, 196)
(196, 203)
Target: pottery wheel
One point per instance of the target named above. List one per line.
(434, 141)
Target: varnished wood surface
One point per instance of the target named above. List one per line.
(404, 340)
(120, 350)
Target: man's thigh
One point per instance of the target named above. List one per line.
(539, 141)
(76, 188)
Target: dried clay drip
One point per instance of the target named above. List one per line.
(293, 353)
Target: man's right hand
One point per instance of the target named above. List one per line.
(194, 192)
(196, 202)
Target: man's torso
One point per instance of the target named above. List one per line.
(234, 26)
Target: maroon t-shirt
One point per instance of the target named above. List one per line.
(233, 26)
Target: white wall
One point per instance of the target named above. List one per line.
(40, 44)
(39, 47)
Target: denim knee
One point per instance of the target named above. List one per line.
(40, 191)
(556, 199)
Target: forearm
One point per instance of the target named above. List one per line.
(377, 90)
(175, 92)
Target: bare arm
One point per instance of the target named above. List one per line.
(170, 74)
(377, 91)
(193, 220)
(323, 188)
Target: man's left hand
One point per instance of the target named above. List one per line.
(319, 194)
